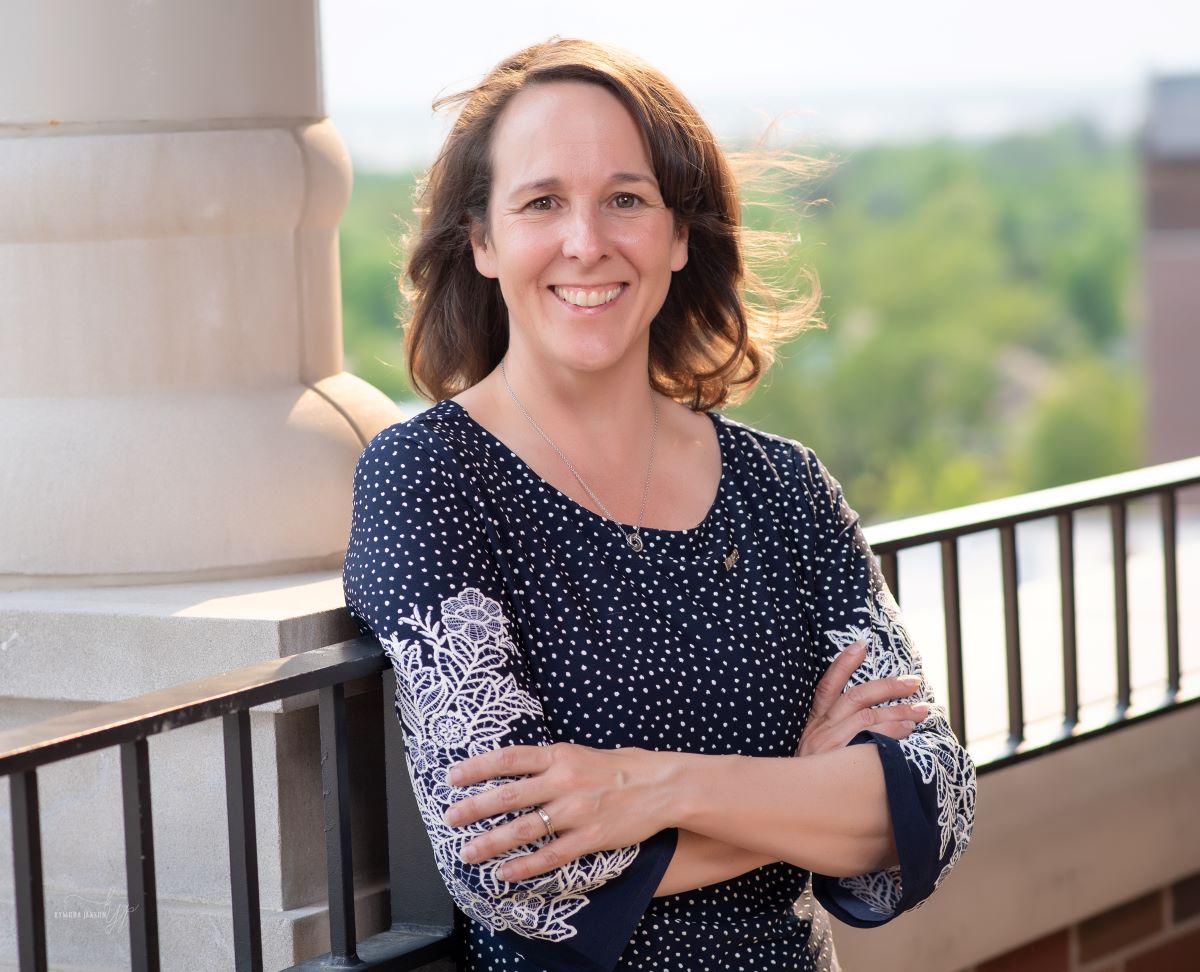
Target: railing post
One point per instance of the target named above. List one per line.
(1012, 635)
(335, 777)
(889, 565)
(1118, 518)
(1167, 512)
(27, 872)
(1070, 658)
(243, 842)
(139, 856)
(954, 661)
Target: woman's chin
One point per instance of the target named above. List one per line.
(595, 353)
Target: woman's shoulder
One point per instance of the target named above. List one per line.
(811, 492)
(785, 457)
(434, 430)
(428, 445)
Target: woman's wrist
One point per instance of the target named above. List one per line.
(700, 861)
(676, 777)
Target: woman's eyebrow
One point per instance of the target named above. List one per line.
(552, 183)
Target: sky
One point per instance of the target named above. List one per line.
(831, 72)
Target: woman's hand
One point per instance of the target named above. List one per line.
(838, 716)
(597, 799)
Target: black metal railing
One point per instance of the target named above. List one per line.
(229, 697)
(128, 725)
(1114, 493)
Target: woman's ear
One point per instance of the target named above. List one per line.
(485, 257)
(679, 249)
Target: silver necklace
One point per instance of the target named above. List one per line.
(634, 539)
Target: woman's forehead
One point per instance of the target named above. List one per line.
(567, 131)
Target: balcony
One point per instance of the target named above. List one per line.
(177, 433)
(1079, 708)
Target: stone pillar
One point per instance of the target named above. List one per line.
(177, 444)
(172, 403)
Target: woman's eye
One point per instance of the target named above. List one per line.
(541, 204)
(625, 200)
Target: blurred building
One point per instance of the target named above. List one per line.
(1171, 264)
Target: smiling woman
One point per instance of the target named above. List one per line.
(651, 681)
(576, 233)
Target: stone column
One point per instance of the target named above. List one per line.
(172, 403)
(177, 444)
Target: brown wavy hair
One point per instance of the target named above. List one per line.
(720, 324)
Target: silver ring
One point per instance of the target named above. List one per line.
(546, 820)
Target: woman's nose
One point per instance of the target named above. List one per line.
(584, 238)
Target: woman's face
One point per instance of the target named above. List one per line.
(577, 233)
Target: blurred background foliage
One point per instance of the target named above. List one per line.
(981, 310)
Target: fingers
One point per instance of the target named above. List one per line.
(833, 682)
(884, 718)
(525, 829)
(503, 799)
(896, 721)
(547, 858)
(505, 761)
(895, 730)
(874, 692)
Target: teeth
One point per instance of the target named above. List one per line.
(586, 298)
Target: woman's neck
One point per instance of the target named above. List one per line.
(609, 413)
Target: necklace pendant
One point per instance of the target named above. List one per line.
(635, 542)
(732, 559)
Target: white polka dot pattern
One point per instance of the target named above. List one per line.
(513, 615)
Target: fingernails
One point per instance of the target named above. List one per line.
(451, 816)
(469, 854)
(921, 710)
(911, 680)
(454, 775)
(909, 726)
(858, 648)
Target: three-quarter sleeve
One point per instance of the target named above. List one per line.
(422, 576)
(929, 776)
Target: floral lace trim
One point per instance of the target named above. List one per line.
(457, 697)
(931, 747)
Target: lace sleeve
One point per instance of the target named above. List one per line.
(930, 777)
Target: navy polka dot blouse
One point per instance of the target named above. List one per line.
(513, 615)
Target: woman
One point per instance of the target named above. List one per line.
(621, 623)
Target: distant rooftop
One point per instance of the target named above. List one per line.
(1173, 117)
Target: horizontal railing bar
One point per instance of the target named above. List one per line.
(112, 723)
(917, 530)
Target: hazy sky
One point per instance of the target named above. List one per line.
(845, 70)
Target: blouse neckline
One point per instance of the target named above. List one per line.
(498, 445)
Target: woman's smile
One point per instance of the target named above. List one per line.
(577, 230)
(591, 298)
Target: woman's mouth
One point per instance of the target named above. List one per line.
(588, 296)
